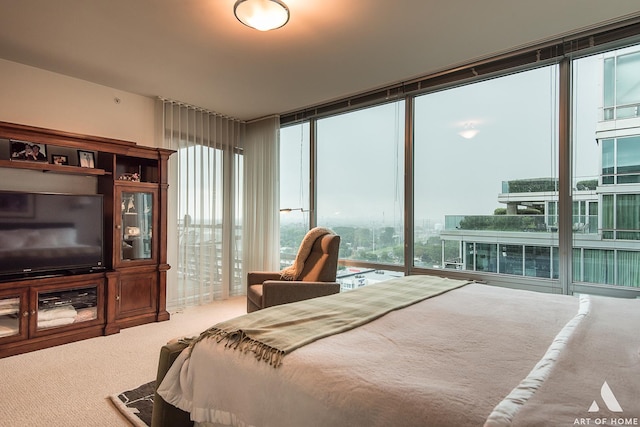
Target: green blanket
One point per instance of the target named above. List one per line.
(273, 332)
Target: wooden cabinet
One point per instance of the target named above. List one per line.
(131, 289)
(133, 298)
(136, 294)
(42, 312)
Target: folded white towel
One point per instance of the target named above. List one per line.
(9, 302)
(54, 322)
(9, 310)
(62, 312)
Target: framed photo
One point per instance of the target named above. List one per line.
(86, 159)
(29, 151)
(59, 159)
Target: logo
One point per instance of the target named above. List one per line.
(612, 405)
(609, 399)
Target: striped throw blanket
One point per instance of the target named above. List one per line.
(273, 332)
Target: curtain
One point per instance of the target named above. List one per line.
(628, 268)
(628, 216)
(261, 210)
(204, 231)
(577, 265)
(598, 266)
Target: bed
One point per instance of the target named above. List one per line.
(468, 355)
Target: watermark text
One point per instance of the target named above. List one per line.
(612, 421)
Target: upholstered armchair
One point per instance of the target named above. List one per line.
(312, 275)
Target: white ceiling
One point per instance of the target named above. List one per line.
(195, 51)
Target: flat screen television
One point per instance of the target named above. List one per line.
(47, 233)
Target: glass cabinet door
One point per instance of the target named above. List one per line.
(136, 227)
(65, 307)
(10, 315)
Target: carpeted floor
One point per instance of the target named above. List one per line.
(137, 404)
(69, 385)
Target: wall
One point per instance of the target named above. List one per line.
(36, 97)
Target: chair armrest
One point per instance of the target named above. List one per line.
(257, 277)
(276, 292)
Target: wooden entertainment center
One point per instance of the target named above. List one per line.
(44, 309)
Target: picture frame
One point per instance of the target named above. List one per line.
(27, 151)
(86, 159)
(59, 159)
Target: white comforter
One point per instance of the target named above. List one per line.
(446, 361)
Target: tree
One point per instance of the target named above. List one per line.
(387, 236)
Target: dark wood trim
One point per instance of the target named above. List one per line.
(48, 167)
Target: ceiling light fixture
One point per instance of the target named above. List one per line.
(263, 15)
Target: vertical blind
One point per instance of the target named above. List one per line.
(204, 228)
(223, 216)
(261, 210)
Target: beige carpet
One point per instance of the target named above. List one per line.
(69, 385)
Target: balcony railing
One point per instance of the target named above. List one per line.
(535, 185)
(200, 255)
(526, 223)
(621, 112)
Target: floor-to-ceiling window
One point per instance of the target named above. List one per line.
(485, 172)
(524, 171)
(606, 151)
(294, 189)
(360, 182)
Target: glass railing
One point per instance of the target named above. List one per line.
(526, 223)
(621, 112)
(496, 222)
(535, 185)
(545, 185)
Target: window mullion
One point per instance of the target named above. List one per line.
(565, 202)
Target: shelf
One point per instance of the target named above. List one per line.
(136, 185)
(48, 167)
